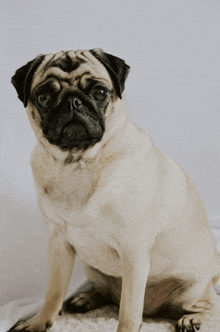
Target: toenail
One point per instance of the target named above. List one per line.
(48, 324)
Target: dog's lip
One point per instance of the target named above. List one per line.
(86, 115)
(79, 134)
(90, 120)
(86, 119)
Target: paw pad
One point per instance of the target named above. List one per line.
(187, 324)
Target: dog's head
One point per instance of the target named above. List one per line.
(68, 94)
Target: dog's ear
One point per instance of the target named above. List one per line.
(23, 77)
(116, 67)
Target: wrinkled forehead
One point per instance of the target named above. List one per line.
(71, 66)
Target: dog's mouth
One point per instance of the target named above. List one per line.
(73, 127)
(80, 135)
(75, 131)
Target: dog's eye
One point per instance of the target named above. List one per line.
(99, 94)
(44, 99)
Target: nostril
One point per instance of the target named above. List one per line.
(76, 102)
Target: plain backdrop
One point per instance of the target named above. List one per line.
(173, 91)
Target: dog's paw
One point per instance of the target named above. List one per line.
(188, 323)
(31, 325)
(85, 302)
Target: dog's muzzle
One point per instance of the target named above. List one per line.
(75, 123)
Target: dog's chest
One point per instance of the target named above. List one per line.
(66, 197)
(96, 247)
(62, 189)
(91, 231)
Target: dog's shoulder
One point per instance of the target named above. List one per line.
(42, 165)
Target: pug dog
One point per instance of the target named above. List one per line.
(108, 194)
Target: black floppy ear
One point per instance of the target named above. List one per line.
(116, 67)
(23, 77)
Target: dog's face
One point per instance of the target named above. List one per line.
(69, 94)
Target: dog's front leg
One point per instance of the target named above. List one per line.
(135, 272)
(61, 256)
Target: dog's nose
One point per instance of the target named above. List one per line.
(76, 102)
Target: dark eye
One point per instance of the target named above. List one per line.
(99, 94)
(44, 99)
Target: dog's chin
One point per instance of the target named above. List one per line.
(75, 135)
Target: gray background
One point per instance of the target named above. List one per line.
(173, 48)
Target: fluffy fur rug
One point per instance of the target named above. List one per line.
(106, 320)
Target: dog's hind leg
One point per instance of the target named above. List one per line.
(85, 302)
(92, 295)
(200, 311)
